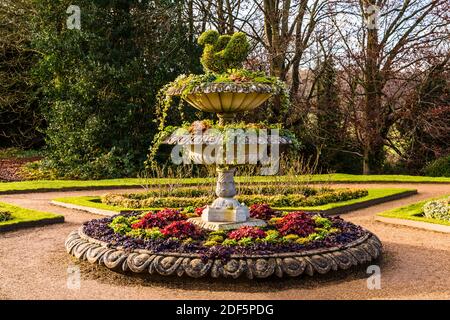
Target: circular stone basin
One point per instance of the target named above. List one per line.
(227, 98)
(202, 148)
(365, 248)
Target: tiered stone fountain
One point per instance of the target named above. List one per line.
(226, 100)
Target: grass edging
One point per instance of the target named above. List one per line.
(93, 210)
(27, 218)
(87, 204)
(368, 203)
(414, 224)
(411, 216)
(57, 185)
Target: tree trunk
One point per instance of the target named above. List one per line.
(373, 93)
(222, 24)
(366, 161)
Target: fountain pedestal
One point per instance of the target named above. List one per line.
(226, 212)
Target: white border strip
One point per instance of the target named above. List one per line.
(101, 212)
(415, 224)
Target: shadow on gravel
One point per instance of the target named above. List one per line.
(242, 284)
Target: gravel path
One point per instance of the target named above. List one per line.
(34, 264)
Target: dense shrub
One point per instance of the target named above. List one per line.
(20, 115)
(437, 209)
(439, 167)
(99, 84)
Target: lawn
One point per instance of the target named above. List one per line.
(23, 217)
(47, 185)
(413, 212)
(95, 202)
(373, 194)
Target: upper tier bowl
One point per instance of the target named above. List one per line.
(227, 98)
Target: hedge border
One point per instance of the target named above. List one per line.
(31, 224)
(333, 211)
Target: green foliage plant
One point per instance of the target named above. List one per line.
(5, 215)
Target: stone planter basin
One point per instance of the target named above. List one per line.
(227, 98)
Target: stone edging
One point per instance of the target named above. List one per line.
(414, 224)
(93, 210)
(30, 224)
(294, 264)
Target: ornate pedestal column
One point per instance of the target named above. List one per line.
(225, 208)
(226, 212)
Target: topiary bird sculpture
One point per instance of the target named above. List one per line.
(223, 52)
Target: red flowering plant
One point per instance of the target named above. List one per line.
(159, 219)
(247, 232)
(298, 222)
(261, 211)
(199, 211)
(182, 230)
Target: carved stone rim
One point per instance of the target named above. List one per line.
(238, 87)
(206, 139)
(360, 251)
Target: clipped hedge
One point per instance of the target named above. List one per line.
(290, 200)
(207, 191)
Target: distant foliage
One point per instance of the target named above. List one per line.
(20, 116)
(439, 167)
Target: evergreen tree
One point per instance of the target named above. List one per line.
(100, 82)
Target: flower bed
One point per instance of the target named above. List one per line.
(288, 197)
(437, 209)
(168, 231)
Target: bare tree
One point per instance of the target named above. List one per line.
(390, 38)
